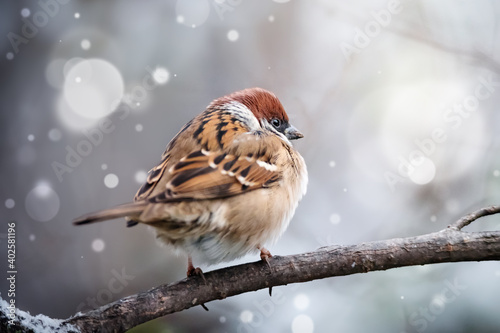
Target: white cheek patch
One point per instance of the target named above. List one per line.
(243, 114)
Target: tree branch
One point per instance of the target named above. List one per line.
(448, 245)
(468, 219)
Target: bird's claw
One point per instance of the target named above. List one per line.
(264, 256)
(192, 271)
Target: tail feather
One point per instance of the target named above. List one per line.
(133, 209)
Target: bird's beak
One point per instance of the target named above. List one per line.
(292, 133)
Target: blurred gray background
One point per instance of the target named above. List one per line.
(397, 101)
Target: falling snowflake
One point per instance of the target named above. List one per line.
(246, 316)
(140, 176)
(42, 203)
(25, 12)
(55, 134)
(161, 75)
(111, 180)
(301, 301)
(233, 35)
(85, 44)
(335, 219)
(302, 324)
(98, 245)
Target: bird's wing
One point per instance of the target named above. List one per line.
(210, 175)
(213, 130)
(154, 176)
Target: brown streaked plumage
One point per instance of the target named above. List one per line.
(227, 184)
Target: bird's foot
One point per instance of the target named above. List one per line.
(196, 271)
(192, 271)
(264, 256)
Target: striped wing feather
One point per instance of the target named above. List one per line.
(210, 175)
(154, 176)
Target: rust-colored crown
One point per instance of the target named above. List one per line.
(263, 103)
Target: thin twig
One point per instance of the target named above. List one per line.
(468, 219)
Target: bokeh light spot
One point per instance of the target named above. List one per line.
(25, 12)
(10, 203)
(161, 75)
(69, 64)
(42, 203)
(233, 35)
(424, 172)
(301, 301)
(335, 219)
(302, 324)
(246, 316)
(98, 245)
(192, 13)
(54, 73)
(111, 180)
(92, 88)
(85, 44)
(140, 176)
(70, 120)
(55, 134)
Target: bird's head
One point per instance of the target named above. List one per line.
(268, 110)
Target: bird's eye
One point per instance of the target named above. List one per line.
(276, 122)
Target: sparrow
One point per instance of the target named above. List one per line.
(227, 184)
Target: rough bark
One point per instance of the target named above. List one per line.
(449, 245)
